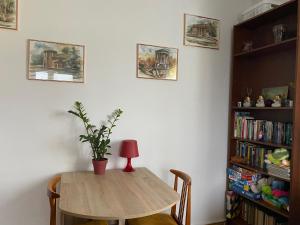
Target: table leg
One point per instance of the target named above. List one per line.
(62, 219)
(121, 222)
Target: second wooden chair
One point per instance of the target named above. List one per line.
(174, 218)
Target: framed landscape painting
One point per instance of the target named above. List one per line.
(201, 31)
(156, 62)
(9, 14)
(55, 61)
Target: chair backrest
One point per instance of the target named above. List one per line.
(53, 195)
(185, 198)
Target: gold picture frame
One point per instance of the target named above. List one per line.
(9, 11)
(157, 62)
(55, 61)
(201, 31)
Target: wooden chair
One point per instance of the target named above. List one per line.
(174, 218)
(53, 196)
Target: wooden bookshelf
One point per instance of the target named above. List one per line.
(269, 64)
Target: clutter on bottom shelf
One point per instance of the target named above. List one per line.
(255, 187)
(236, 206)
(232, 205)
(259, 8)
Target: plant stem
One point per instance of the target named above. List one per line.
(111, 126)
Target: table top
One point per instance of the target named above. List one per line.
(115, 195)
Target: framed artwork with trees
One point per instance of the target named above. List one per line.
(9, 14)
(54, 61)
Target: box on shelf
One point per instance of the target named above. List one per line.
(260, 8)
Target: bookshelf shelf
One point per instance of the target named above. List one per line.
(268, 65)
(269, 207)
(263, 143)
(258, 170)
(289, 43)
(262, 109)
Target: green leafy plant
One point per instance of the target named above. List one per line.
(97, 137)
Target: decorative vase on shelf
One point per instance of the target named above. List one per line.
(99, 166)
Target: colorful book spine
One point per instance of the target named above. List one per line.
(246, 127)
(253, 155)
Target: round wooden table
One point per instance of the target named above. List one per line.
(114, 196)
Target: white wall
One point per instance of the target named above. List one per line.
(179, 124)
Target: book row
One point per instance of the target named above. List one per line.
(252, 155)
(255, 216)
(246, 127)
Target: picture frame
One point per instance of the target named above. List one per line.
(9, 14)
(272, 92)
(157, 62)
(55, 61)
(201, 31)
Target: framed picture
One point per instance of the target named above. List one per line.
(55, 61)
(156, 62)
(270, 93)
(201, 31)
(9, 14)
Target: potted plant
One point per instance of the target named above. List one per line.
(97, 137)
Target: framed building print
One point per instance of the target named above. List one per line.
(201, 31)
(156, 62)
(54, 61)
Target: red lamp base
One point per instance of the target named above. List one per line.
(128, 167)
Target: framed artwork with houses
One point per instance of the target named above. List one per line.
(156, 62)
(9, 14)
(201, 31)
(54, 61)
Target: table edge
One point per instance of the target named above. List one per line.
(117, 218)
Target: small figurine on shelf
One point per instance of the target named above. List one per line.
(247, 46)
(260, 101)
(279, 157)
(279, 31)
(276, 101)
(247, 102)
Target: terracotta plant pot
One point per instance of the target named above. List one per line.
(99, 166)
